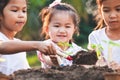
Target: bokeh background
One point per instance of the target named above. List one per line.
(31, 31)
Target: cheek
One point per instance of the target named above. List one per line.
(104, 15)
(70, 33)
(51, 33)
(25, 17)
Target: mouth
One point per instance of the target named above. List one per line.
(113, 21)
(20, 23)
(61, 35)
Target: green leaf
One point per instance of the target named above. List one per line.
(98, 49)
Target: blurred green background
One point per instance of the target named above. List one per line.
(31, 31)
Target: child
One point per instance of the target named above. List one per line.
(108, 33)
(13, 16)
(60, 21)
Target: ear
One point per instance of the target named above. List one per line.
(76, 30)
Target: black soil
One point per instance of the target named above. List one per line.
(75, 72)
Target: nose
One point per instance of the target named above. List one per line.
(113, 15)
(21, 14)
(62, 29)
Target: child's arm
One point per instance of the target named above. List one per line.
(11, 47)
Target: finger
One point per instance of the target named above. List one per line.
(45, 51)
(52, 50)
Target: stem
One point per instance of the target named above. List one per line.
(109, 53)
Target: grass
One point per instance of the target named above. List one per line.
(33, 60)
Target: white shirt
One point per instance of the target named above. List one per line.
(110, 53)
(13, 62)
(73, 50)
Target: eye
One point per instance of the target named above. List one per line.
(14, 10)
(106, 10)
(68, 26)
(24, 11)
(118, 9)
(56, 25)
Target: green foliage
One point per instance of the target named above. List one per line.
(33, 60)
(98, 49)
(64, 44)
(111, 43)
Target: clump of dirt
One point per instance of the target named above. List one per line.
(85, 57)
(74, 72)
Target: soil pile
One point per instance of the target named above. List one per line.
(74, 72)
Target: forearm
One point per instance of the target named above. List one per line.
(11, 47)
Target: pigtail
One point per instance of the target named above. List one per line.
(43, 13)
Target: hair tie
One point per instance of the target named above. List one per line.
(55, 3)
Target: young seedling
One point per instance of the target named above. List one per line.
(64, 45)
(98, 49)
(111, 44)
(101, 60)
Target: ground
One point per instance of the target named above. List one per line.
(83, 68)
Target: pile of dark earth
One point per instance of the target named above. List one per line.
(75, 72)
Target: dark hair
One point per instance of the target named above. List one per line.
(47, 13)
(99, 19)
(3, 3)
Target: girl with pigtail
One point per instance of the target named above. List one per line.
(107, 32)
(60, 23)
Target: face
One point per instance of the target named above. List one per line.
(110, 11)
(61, 27)
(14, 16)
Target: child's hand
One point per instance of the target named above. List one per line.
(114, 65)
(54, 60)
(47, 48)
